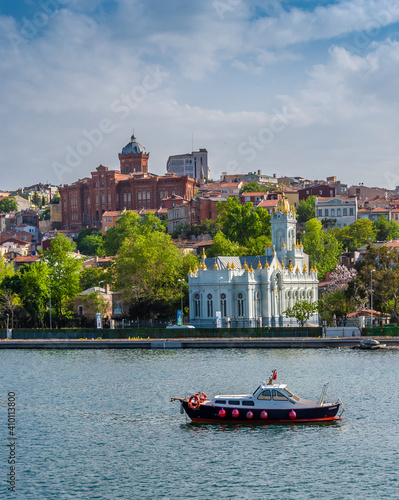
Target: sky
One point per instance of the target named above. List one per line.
(301, 88)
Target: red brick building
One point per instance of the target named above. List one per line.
(132, 188)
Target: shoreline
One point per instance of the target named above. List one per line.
(197, 343)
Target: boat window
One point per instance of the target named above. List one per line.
(277, 396)
(248, 403)
(265, 395)
(220, 401)
(234, 402)
(289, 394)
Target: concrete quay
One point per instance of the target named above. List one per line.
(195, 343)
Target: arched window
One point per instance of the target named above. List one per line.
(258, 312)
(241, 312)
(223, 304)
(197, 305)
(210, 305)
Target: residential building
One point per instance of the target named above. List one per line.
(255, 197)
(368, 193)
(225, 189)
(323, 190)
(340, 211)
(178, 216)
(254, 291)
(194, 164)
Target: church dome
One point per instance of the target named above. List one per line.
(283, 206)
(133, 147)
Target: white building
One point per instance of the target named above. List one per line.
(254, 291)
(194, 164)
(341, 211)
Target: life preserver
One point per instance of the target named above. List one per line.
(201, 396)
(194, 402)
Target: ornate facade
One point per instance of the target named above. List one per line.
(132, 188)
(255, 291)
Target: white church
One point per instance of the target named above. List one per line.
(254, 291)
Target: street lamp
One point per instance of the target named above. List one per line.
(49, 297)
(371, 295)
(181, 299)
(101, 308)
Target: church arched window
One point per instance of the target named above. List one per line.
(197, 305)
(240, 303)
(210, 305)
(223, 304)
(258, 310)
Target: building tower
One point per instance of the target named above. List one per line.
(134, 158)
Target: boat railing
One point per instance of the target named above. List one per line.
(323, 394)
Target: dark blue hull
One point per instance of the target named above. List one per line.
(207, 413)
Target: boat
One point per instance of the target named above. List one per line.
(271, 402)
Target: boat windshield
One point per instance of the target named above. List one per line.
(256, 390)
(289, 394)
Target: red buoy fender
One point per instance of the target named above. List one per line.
(250, 414)
(222, 412)
(263, 415)
(194, 402)
(235, 413)
(292, 415)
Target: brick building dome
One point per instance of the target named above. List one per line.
(133, 147)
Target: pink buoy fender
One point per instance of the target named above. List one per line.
(222, 412)
(292, 415)
(263, 415)
(250, 414)
(235, 413)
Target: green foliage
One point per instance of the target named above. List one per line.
(180, 229)
(37, 199)
(147, 269)
(302, 310)
(253, 187)
(34, 292)
(323, 248)
(64, 269)
(46, 214)
(386, 231)
(8, 204)
(6, 270)
(56, 199)
(241, 222)
(129, 226)
(385, 263)
(92, 244)
(360, 233)
(91, 277)
(306, 209)
(222, 246)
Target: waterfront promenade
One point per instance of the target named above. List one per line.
(193, 343)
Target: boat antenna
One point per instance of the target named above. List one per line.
(272, 377)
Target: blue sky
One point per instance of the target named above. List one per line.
(294, 88)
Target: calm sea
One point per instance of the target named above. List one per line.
(100, 425)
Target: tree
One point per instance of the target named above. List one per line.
(386, 231)
(37, 199)
(147, 269)
(343, 296)
(253, 187)
(128, 226)
(302, 311)
(64, 268)
(385, 263)
(323, 248)
(9, 303)
(224, 247)
(241, 222)
(35, 291)
(91, 277)
(92, 244)
(306, 209)
(6, 270)
(8, 204)
(361, 232)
